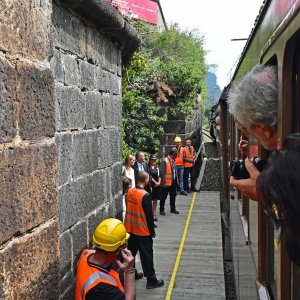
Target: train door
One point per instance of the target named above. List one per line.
(291, 122)
(295, 124)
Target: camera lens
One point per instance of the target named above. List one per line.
(260, 163)
(238, 169)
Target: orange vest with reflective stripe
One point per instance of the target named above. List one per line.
(188, 154)
(135, 218)
(168, 175)
(179, 159)
(88, 276)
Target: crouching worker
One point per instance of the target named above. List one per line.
(96, 277)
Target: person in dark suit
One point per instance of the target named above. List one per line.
(140, 164)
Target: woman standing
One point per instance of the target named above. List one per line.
(127, 169)
(155, 183)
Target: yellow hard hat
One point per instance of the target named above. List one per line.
(110, 234)
(177, 139)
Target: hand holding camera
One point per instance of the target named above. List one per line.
(239, 171)
(246, 186)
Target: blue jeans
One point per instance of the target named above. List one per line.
(180, 170)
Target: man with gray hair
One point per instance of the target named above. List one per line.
(253, 102)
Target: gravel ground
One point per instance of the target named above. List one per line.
(212, 181)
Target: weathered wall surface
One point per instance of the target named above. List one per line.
(60, 138)
(183, 128)
(29, 268)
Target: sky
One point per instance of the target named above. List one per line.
(219, 21)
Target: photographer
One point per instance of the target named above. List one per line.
(253, 102)
(97, 276)
(278, 189)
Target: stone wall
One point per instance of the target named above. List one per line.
(184, 128)
(60, 137)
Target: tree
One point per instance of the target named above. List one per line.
(169, 69)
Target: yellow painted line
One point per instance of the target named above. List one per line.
(171, 284)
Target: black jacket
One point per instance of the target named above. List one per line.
(136, 169)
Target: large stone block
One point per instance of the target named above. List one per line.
(66, 283)
(102, 80)
(64, 142)
(85, 151)
(115, 145)
(37, 98)
(30, 265)
(67, 211)
(8, 108)
(94, 220)
(71, 70)
(68, 31)
(115, 84)
(108, 180)
(116, 186)
(80, 241)
(87, 75)
(66, 258)
(94, 111)
(95, 46)
(25, 27)
(70, 108)
(99, 187)
(104, 151)
(68, 294)
(112, 107)
(175, 127)
(28, 188)
(57, 66)
(80, 197)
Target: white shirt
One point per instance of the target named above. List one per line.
(130, 174)
(140, 166)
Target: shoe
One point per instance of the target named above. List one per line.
(176, 212)
(184, 193)
(156, 283)
(155, 226)
(162, 213)
(196, 190)
(138, 275)
(155, 219)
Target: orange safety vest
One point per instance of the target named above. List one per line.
(88, 276)
(135, 218)
(168, 175)
(188, 154)
(179, 159)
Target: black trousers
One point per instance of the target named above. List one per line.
(172, 191)
(186, 173)
(143, 244)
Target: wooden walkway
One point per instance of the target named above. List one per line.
(200, 272)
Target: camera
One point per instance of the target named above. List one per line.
(238, 169)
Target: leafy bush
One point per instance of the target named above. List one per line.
(169, 70)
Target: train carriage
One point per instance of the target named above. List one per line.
(262, 268)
